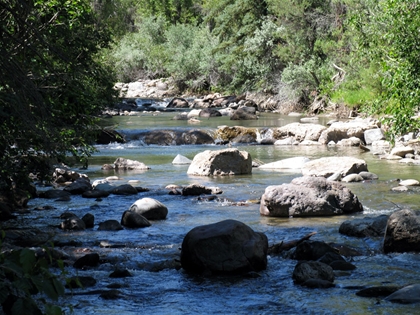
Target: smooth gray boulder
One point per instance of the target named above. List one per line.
(309, 196)
(226, 247)
(150, 208)
(327, 166)
(221, 162)
(342, 130)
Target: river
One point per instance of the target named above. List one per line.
(155, 288)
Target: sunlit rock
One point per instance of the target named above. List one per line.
(221, 162)
(309, 196)
(328, 166)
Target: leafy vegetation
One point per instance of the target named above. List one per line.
(52, 83)
(24, 276)
(361, 53)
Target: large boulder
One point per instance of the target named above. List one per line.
(221, 162)
(150, 208)
(327, 166)
(341, 130)
(309, 196)
(226, 247)
(227, 133)
(300, 131)
(402, 232)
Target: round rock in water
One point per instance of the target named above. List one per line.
(134, 220)
(150, 208)
(226, 247)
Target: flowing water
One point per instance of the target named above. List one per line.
(156, 288)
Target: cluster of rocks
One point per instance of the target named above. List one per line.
(231, 247)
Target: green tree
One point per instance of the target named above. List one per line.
(174, 11)
(52, 83)
(233, 22)
(388, 38)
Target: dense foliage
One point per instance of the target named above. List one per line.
(52, 82)
(361, 53)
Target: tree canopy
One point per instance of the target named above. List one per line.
(52, 82)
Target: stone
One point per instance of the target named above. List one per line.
(89, 220)
(178, 102)
(402, 232)
(181, 160)
(73, 223)
(372, 135)
(328, 166)
(352, 178)
(79, 186)
(127, 164)
(124, 190)
(406, 295)
(313, 250)
(309, 196)
(195, 190)
(343, 130)
(368, 175)
(402, 151)
(299, 131)
(226, 247)
(365, 227)
(307, 270)
(209, 112)
(96, 194)
(54, 194)
(221, 163)
(227, 133)
(409, 182)
(244, 113)
(150, 208)
(349, 142)
(89, 260)
(110, 225)
(132, 219)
